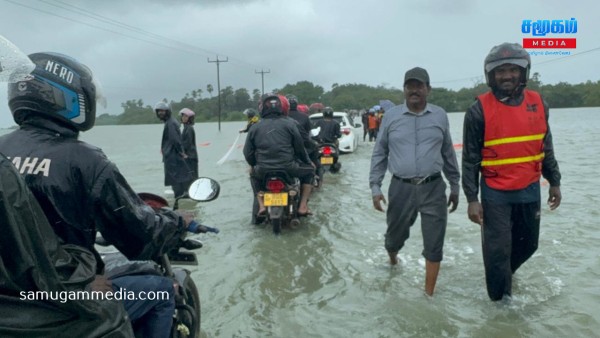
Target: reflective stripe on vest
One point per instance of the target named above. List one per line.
(513, 141)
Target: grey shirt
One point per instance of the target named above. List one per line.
(414, 145)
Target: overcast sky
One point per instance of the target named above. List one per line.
(151, 49)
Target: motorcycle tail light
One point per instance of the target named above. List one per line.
(326, 150)
(275, 185)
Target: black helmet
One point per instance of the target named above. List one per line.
(60, 88)
(293, 100)
(250, 113)
(273, 104)
(162, 106)
(511, 53)
(327, 112)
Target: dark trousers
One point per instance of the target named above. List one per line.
(510, 236)
(372, 135)
(151, 318)
(406, 202)
(193, 165)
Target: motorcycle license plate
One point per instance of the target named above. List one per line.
(326, 160)
(276, 200)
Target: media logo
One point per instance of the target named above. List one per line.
(540, 29)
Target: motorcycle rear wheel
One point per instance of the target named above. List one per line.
(192, 302)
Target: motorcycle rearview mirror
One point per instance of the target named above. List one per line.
(204, 189)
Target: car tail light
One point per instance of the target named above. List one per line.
(275, 185)
(346, 131)
(326, 150)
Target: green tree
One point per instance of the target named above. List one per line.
(305, 91)
(444, 98)
(346, 96)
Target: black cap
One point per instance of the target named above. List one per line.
(418, 74)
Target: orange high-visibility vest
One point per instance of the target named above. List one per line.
(513, 147)
(373, 122)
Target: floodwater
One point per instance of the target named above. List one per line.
(331, 278)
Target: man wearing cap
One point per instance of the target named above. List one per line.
(415, 144)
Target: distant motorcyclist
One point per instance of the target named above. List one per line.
(80, 190)
(252, 116)
(330, 132)
(330, 129)
(276, 144)
(305, 128)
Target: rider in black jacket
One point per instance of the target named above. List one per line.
(48, 266)
(78, 188)
(305, 128)
(330, 128)
(275, 143)
(330, 132)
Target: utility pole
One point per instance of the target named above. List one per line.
(217, 61)
(262, 75)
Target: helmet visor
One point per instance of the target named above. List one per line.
(514, 61)
(67, 103)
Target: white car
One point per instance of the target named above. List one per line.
(349, 129)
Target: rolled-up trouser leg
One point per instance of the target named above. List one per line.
(496, 245)
(525, 232)
(401, 214)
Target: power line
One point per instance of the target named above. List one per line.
(110, 21)
(133, 28)
(568, 56)
(98, 27)
(480, 77)
(161, 39)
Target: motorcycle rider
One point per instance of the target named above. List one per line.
(330, 128)
(276, 144)
(79, 189)
(330, 133)
(305, 128)
(252, 116)
(56, 267)
(177, 173)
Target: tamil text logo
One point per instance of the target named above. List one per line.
(539, 28)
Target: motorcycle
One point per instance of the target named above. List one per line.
(281, 195)
(328, 155)
(186, 320)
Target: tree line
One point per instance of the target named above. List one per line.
(342, 97)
